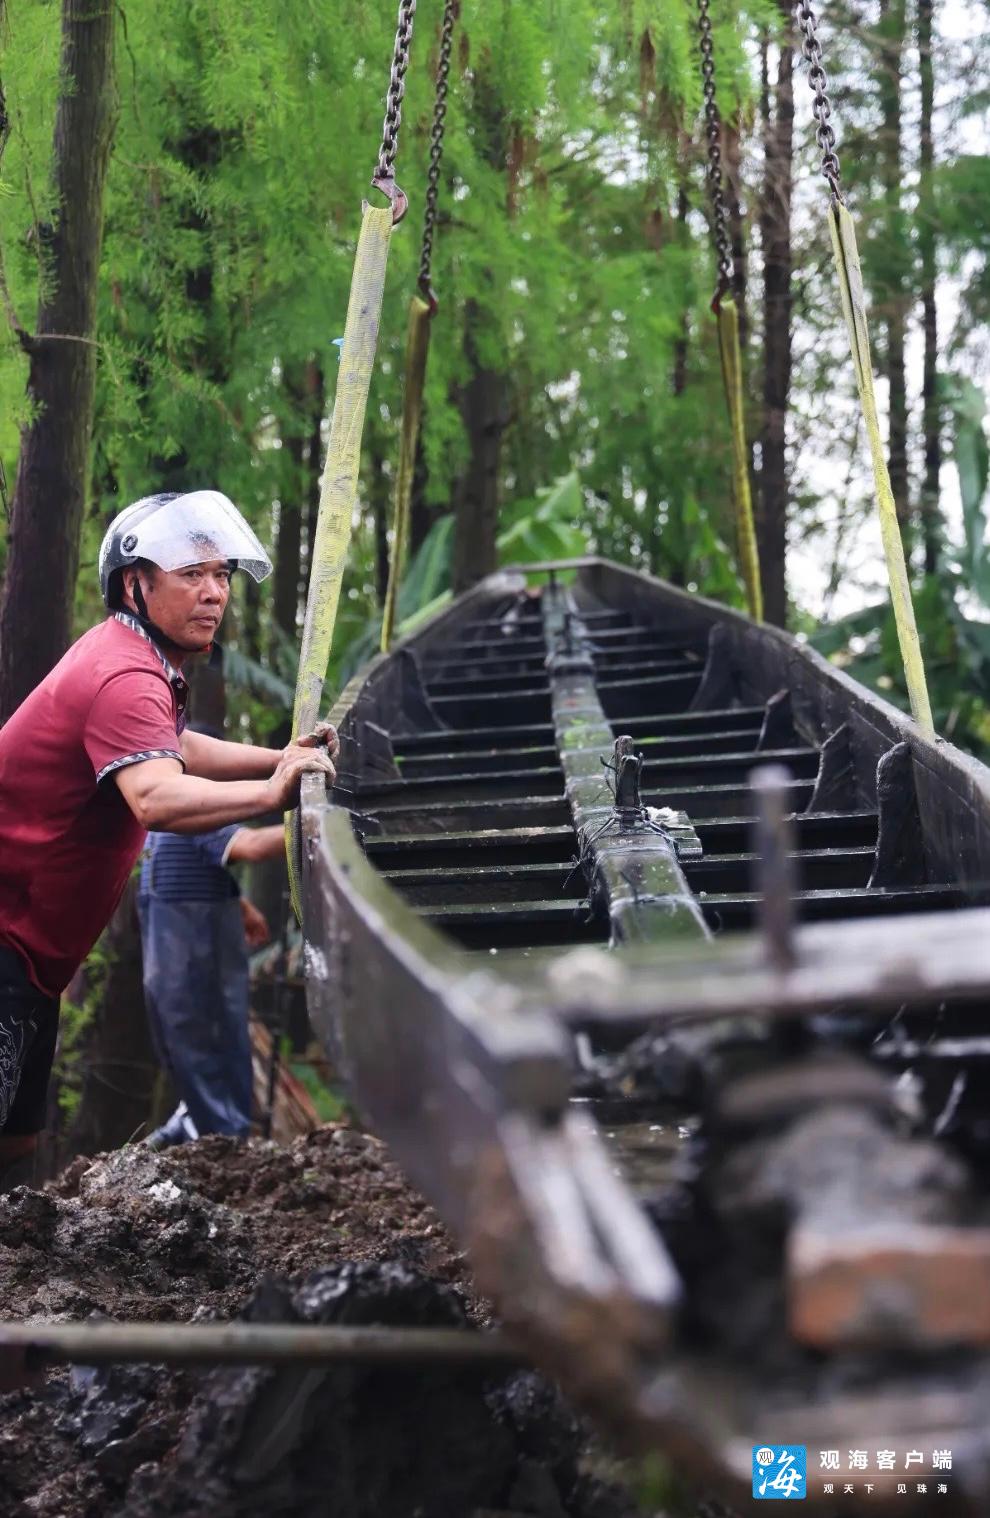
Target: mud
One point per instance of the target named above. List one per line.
(326, 1231)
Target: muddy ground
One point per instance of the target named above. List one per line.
(327, 1230)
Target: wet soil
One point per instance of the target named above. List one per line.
(325, 1231)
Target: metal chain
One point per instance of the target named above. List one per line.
(384, 175)
(822, 108)
(436, 150)
(713, 131)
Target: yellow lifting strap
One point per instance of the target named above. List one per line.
(417, 351)
(338, 489)
(727, 316)
(846, 253)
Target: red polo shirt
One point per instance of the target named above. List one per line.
(68, 839)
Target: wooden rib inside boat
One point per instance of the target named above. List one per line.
(706, 1104)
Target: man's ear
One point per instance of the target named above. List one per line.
(135, 574)
(128, 578)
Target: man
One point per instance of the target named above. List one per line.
(97, 754)
(196, 928)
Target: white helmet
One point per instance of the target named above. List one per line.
(174, 531)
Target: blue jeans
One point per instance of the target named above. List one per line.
(196, 991)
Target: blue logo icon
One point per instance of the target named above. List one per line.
(780, 1472)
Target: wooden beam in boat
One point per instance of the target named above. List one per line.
(874, 965)
(630, 859)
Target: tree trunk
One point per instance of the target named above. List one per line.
(483, 399)
(678, 378)
(52, 472)
(932, 420)
(732, 148)
(893, 290)
(671, 565)
(314, 456)
(288, 549)
(775, 233)
(381, 502)
(421, 514)
(119, 1068)
(483, 408)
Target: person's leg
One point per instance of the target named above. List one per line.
(177, 1129)
(28, 1030)
(235, 989)
(194, 956)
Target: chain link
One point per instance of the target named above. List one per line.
(713, 132)
(822, 108)
(384, 176)
(436, 149)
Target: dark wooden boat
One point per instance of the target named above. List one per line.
(726, 1178)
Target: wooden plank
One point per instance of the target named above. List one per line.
(874, 965)
(631, 866)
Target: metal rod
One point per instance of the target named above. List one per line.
(775, 846)
(247, 1344)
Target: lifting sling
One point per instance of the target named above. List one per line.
(338, 490)
(727, 318)
(422, 309)
(846, 254)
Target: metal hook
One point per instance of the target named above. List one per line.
(395, 195)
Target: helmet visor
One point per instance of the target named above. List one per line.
(197, 528)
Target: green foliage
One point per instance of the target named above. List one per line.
(967, 404)
(244, 145)
(573, 246)
(546, 527)
(75, 1019)
(330, 1104)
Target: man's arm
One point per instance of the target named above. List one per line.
(166, 800)
(251, 844)
(215, 759)
(256, 929)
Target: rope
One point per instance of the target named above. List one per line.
(727, 317)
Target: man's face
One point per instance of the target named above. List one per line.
(187, 604)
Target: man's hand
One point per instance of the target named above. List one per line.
(324, 735)
(294, 762)
(256, 929)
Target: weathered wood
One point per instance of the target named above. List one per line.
(900, 857)
(835, 786)
(431, 1026)
(630, 862)
(934, 1284)
(953, 789)
(879, 964)
(718, 686)
(777, 730)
